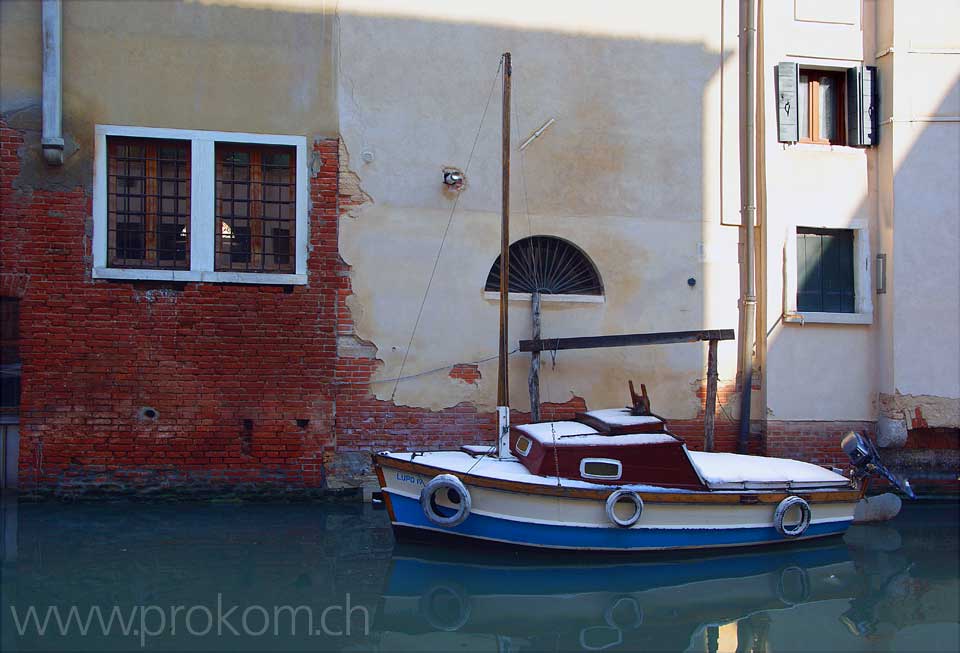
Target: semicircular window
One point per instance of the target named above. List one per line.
(548, 265)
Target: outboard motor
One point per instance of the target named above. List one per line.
(866, 462)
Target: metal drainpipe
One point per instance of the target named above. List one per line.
(748, 182)
(52, 141)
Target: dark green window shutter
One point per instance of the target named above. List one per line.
(854, 107)
(809, 297)
(788, 79)
(825, 271)
(862, 106)
(870, 107)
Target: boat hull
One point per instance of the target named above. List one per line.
(539, 516)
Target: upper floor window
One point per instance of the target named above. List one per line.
(185, 205)
(820, 107)
(827, 106)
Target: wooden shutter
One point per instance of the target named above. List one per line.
(836, 263)
(854, 104)
(870, 106)
(809, 297)
(862, 106)
(825, 274)
(788, 79)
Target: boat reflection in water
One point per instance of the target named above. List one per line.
(882, 587)
(480, 601)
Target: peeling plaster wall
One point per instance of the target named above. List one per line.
(630, 172)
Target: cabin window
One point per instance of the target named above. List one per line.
(605, 469)
(549, 266)
(523, 445)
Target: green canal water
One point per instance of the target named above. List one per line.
(307, 577)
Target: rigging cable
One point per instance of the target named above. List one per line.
(446, 230)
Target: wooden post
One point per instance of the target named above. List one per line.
(503, 376)
(503, 389)
(710, 409)
(533, 381)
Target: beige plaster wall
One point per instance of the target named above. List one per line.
(630, 172)
(227, 65)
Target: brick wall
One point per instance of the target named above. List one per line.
(816, 442)
(239, 376)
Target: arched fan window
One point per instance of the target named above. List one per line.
(548, 265)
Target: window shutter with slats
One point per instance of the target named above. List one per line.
(788, 74)
(854, 102)
(870, 105)
(862, 106)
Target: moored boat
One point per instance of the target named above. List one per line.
(614, 479)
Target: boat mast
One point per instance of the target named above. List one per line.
(503, 389)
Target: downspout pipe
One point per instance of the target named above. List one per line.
(52, 139)
(748, 196)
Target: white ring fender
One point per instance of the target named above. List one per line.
(446, 482)
(781, 512)
(612, 501)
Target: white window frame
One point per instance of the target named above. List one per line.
(862, 279)
(604, 477)
(202, 206)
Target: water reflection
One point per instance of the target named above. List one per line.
(884, 587)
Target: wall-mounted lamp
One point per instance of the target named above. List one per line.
(453, 178)
(881, 274)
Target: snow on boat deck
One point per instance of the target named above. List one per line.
(622, 417)
(720, 471)
(575, 434)
(736, 471)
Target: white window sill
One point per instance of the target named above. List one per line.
(131, 274)
(525, 297)
(822, 147)
(828, 318)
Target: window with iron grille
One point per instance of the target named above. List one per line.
(256, 208)
(548, 265)
(190, 205)
(148, 203)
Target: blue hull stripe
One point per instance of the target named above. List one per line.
(408, 513)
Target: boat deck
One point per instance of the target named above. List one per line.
(720, 472)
